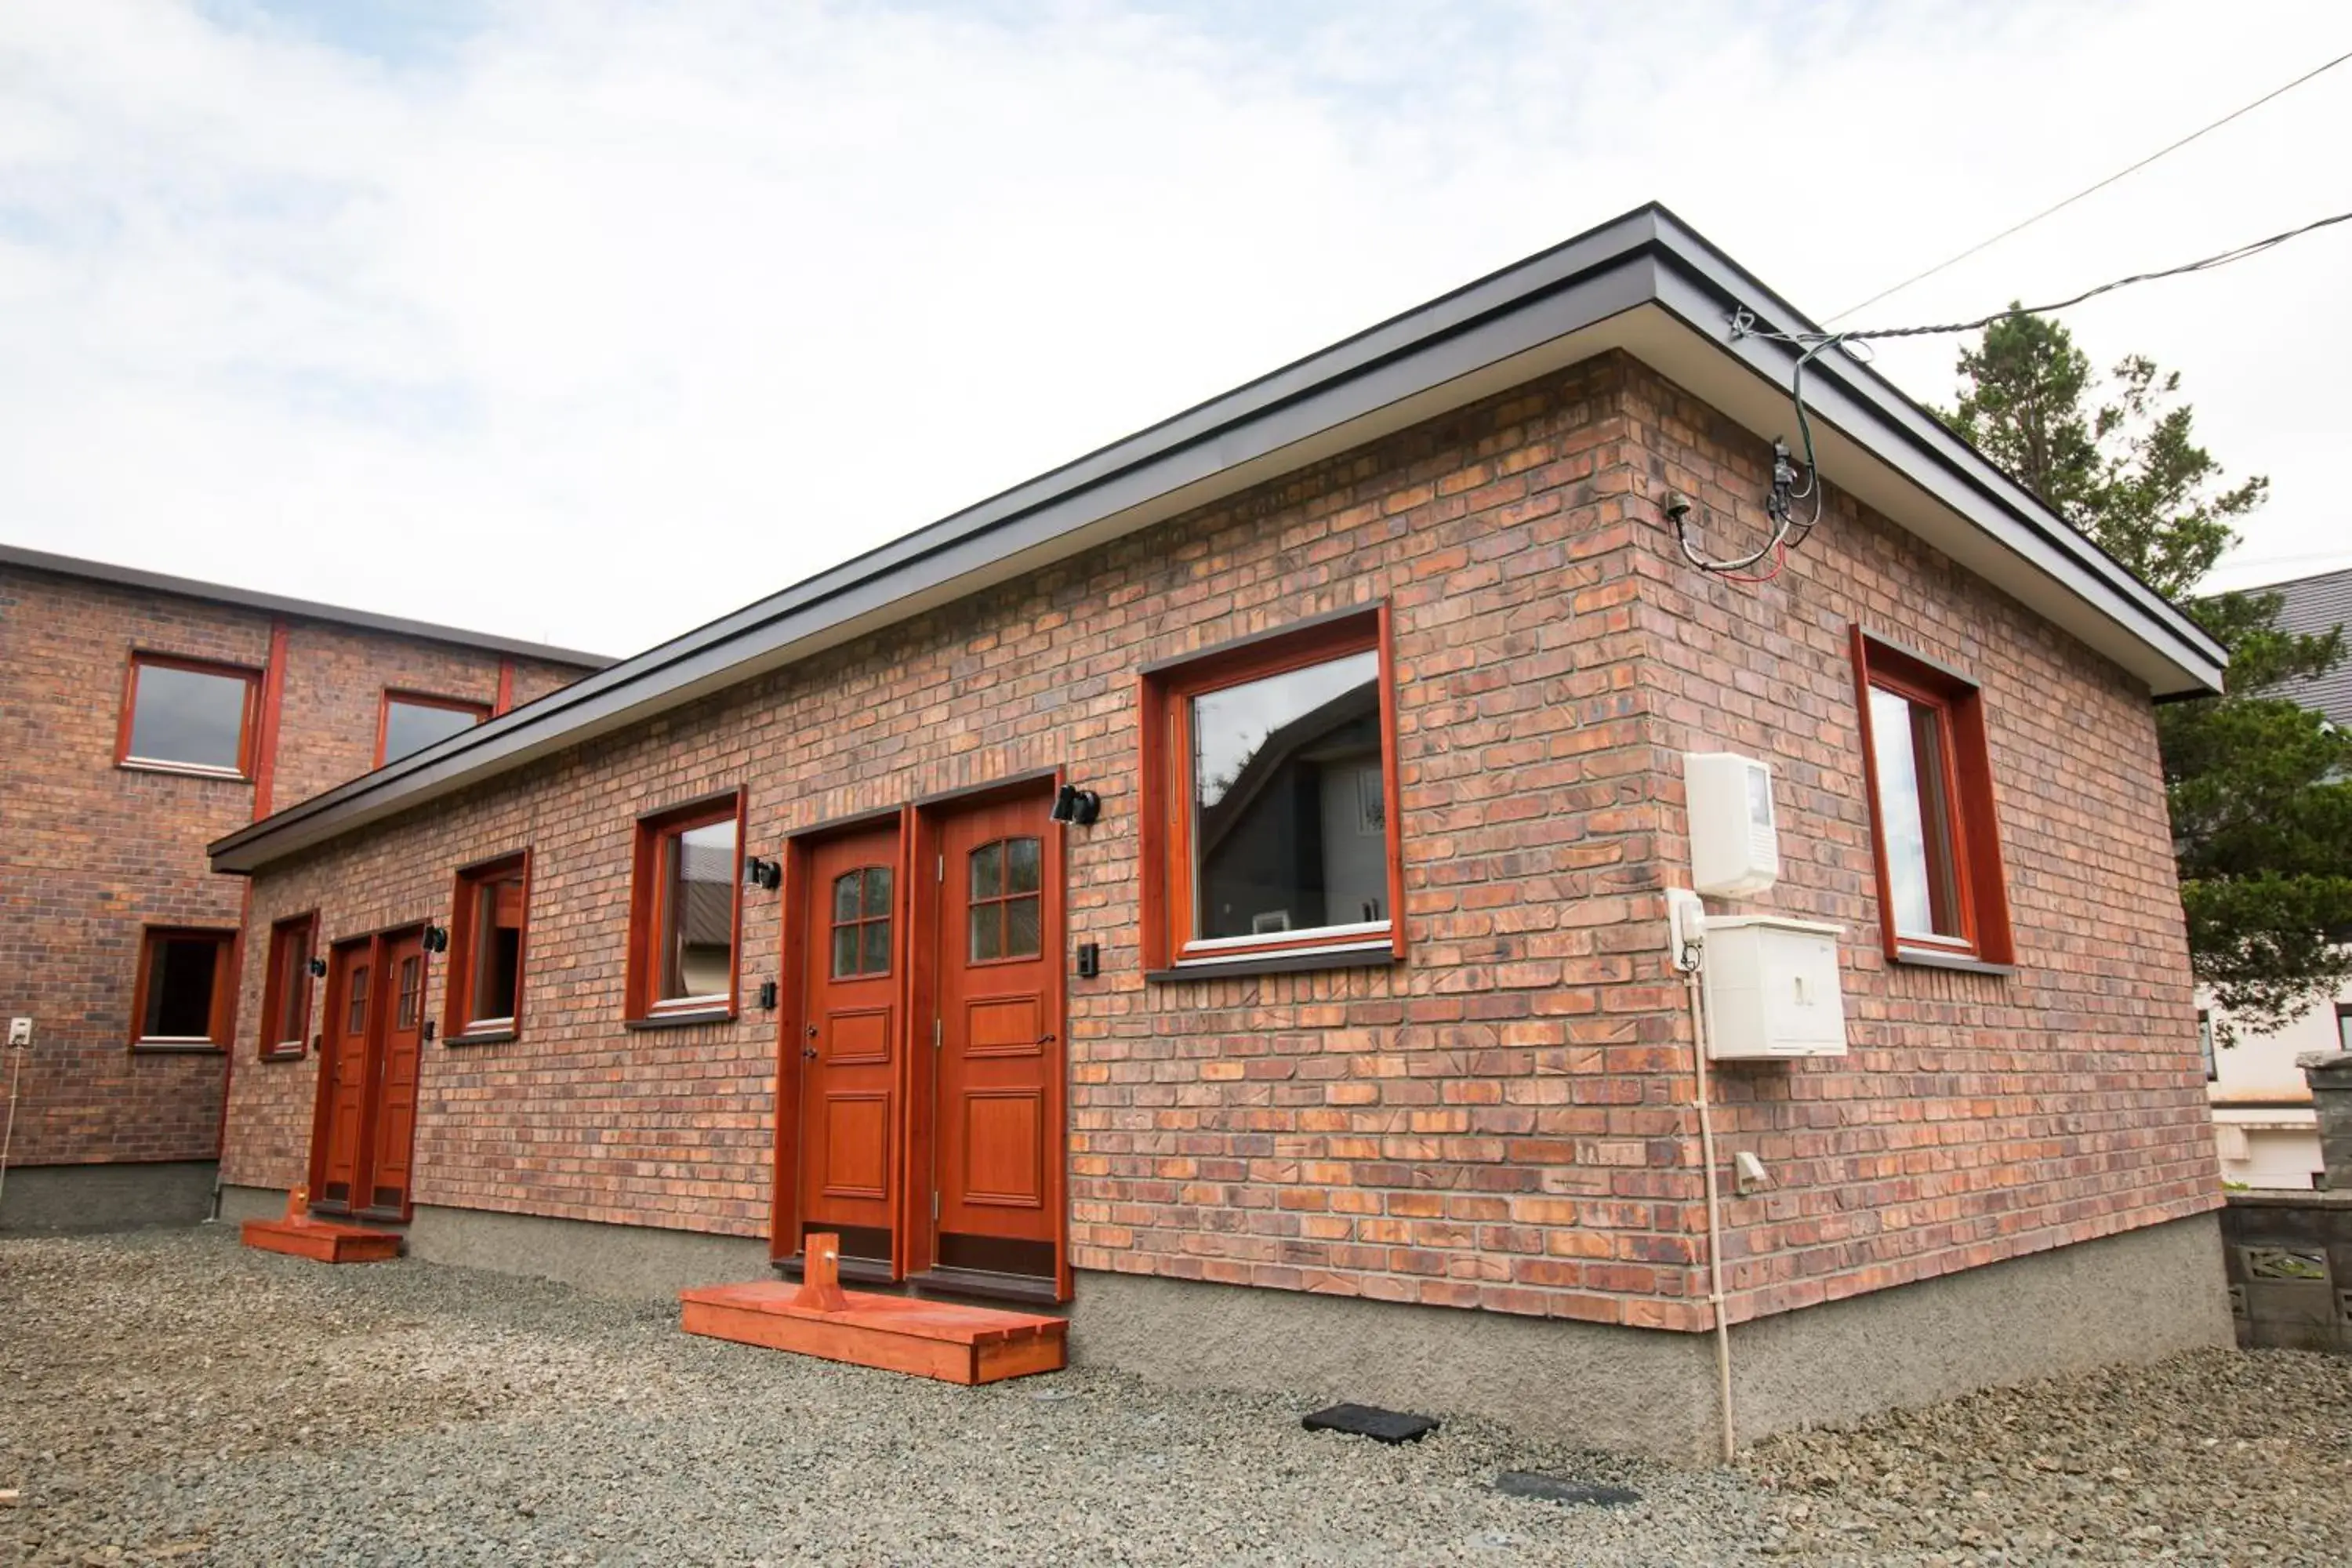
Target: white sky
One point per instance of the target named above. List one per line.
(590, 321)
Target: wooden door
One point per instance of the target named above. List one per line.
(997, 1089)
(853, 974)
(392, 1098)
(343, 1074)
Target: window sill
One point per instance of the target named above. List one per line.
(1296, 961)
(1965, 964)
(184, 770)
(681, 1020)
(295, 1055)
(483, 1037)
(177, 1048)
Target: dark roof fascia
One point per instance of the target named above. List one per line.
(281, 604)
(1645, 257)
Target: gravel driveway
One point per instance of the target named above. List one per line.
(168, 1396)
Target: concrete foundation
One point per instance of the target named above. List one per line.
(2135, 1297)
(106, 1197)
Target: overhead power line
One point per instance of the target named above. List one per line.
(2088, 190)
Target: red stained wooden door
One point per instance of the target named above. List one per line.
(851, 1036)
(391, 1110)
(998, 1076)
(343, 1074)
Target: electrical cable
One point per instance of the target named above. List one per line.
(2089, 190)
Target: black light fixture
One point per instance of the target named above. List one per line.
(768, 994)
(436, 938)
(317, 968)
(1073, 805)
(768, 874)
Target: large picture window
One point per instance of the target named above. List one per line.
(286, 992)
(183, 715)
(1270, 775)
(184, 997)
(685, 910)
(486, 951)
(411, 720)
(1941, 893)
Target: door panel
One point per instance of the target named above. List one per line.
(854, 965)
(343, 1072)
(392, 1113)
(1000, 1058)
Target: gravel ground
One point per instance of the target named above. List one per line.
(169, 1396)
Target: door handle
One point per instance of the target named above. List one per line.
(809, 1051)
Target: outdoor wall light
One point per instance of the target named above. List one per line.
(1073, 805)
(768, 994)
(317, 968)
(768, 874)
(436, 938)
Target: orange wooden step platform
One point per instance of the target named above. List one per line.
(896, 1333)
(297, 1234)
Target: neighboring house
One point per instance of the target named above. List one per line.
(2263, 1118)
(142, 716)
(1059, 964)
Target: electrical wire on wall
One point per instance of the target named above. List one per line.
(1797, 479)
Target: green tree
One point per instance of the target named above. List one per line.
(2260, 787)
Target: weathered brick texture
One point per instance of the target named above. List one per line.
(1503, 1121)
(90, 853)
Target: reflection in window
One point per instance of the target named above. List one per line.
(1289, 809)
(1003, 916)
(1922, 872)
(493, 956)
(287, 1019)
(411, 724)
(861, 922)
(699, 913)
(188, 718)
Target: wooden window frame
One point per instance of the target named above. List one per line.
(457, 1028)
(648, 895)
(223, 1021)
(273, 987)
(888, 918)
(391, 694)
(1981, 883)
(1166, 825)
(142, 659)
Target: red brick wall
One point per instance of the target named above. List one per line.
(90, 852)
(1503, 1121)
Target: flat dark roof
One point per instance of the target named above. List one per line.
(279, 604)
(1644, 284)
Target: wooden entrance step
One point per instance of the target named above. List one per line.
(897, 1333)
(297, 1234)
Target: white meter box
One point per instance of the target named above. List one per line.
(1773, 989)
(1735, 836)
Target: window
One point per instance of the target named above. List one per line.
(2205, 1045)
(1941, 893)
(2344, 1026)
(1002, 919)
(861, 922)
(411, 722)
(184, 992)
(186, 716)
(486, 933)
(1269, 770)
(685, 910)
(286, 992)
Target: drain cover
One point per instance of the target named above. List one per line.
(1370, 1421)
(1552, 1488)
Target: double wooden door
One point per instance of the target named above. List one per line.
(363, 1139)
(927, 1043)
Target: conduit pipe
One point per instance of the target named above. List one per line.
(1689, 962)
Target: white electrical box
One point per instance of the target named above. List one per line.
(1735, 836)
(1772, 989)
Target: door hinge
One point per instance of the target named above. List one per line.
(935, 1203)
(937, 1028)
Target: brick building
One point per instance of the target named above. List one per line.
(1336, 1037)
(144, 716)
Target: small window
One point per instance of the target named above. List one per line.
(187, 716)
(2205, 1045)
(185, 992)
(408, 1000)
(356, 1004)
(286, 992)
(2344, 1026)
(861, 922)
(486, 938)
(1929, 781)
(1268, 780)
(412, 721)
(685, 910)
(1002, 920)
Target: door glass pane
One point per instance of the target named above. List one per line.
(356, 1021)
(877, 947)
(1278, 808)
(877, 892)
(699, 950)
(844, 896)
(987, 923)
(1021, 862)
(189, 716)
(180, 988)
(413, 726)
(845, 950)
(409, 997)
(1021, 933)
(1906, 742)
(988, 871)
